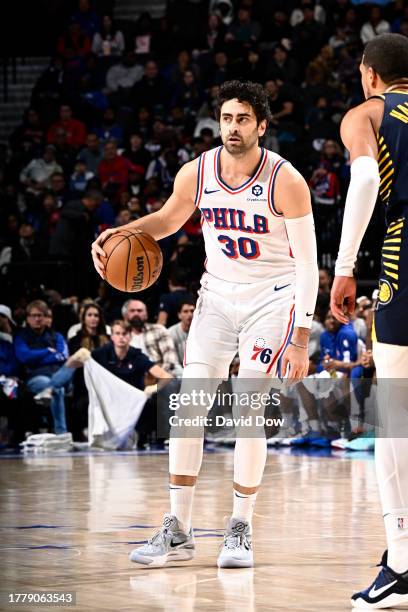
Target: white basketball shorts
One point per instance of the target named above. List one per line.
(254, 320)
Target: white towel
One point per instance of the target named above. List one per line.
(114, 407)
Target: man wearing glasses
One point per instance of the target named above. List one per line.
(43, 354)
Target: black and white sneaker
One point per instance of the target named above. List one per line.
(388, 590)
(236, 550)
(170, 543)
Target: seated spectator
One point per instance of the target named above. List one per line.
(76, 327)
(91, 154)
(92, 334)
(136, 152)
(153, 339)
(123, 217)
(109, 41)
(74, 234)
(30, 135)
(131, 365)
(64, 310)
(65, 154)
(287, 116)
(43, 354)
(339, 347)
(219, 70)
(58, 188)
(297, 15)
(179, 331)
(79, 178)
(375, 26)
(244, 29)
(188, 95)
(325, 186)
(37, 174)
(281, 68)
(251, 67)
(125, 74)
(109, 129)
(76, 130)
(152, 90)
(164, 168)
(134, 205)
(113, 170)
(278, 29)
(126, 362)
(169, 303)
(309, 35)
(74, 44)
(44, 220)
(30, 247)
(213, 37)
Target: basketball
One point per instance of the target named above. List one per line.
(133, 260)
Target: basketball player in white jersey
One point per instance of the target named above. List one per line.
(257, 297)
(376, 134)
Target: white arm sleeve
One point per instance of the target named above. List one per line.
(361, 198)
(302, 240)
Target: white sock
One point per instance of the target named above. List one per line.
(396, 528)
(313, 424)
(181, 504)
(244, 505)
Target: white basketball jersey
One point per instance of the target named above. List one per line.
(245, 237)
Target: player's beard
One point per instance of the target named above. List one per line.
(239, 148)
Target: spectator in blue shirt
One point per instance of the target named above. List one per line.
(339, 347)
(43, 354)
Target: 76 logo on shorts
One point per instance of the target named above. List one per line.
(261, 352)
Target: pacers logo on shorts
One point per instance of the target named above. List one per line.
(385, 293)
(261, 351)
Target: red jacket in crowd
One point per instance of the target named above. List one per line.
(75, 130)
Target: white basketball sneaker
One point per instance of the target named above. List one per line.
(168, 544)
(237, 548)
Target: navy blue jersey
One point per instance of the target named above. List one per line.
(393, 154)
(391, 322)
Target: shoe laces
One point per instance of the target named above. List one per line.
(162, 535)
(233, 540)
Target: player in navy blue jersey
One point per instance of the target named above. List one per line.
(376, 135)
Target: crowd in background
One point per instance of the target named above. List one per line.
(121, 107)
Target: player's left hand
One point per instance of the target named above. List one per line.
(298, 361)
(343, 297)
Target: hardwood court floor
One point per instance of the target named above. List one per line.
(68, 523)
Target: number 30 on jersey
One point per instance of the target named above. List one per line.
(244, 247)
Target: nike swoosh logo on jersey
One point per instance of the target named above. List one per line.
(309, 315)
(211, 190)
(283, 287)
(375, 592)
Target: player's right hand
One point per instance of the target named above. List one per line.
(343, 297)
(98, 252)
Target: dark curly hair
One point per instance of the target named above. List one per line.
(245, 91)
